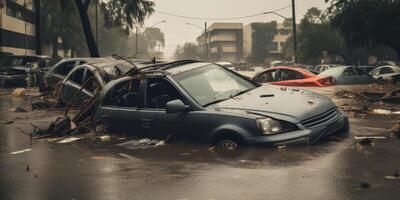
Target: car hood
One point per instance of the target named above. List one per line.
(284, 103)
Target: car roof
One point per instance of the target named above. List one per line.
(31, 56)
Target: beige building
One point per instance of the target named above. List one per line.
(17, 27)
(280, 39)
(224, 42)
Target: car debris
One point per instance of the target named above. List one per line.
(386, 97)
(19, 92)
(385, 112)
(395, 176)
(69, 140)
(20, 151)
(369, 137)
(144, 143)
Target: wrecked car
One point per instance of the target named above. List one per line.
(203, 101)
(84, 81)
(385, 73)
(291, 76)
(24, 69)
(348, 75)
(60, 70)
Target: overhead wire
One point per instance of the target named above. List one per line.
(223, 18)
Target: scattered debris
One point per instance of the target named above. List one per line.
(69, 140)
(369, 137)
(27, 168)
(125, 155)
(8, 122)
(385, 112)
(184, 154)
(388, 97)
(395, 176)
(20, 151)
(364, 185)
(282, 146)
(141, 144)
(18, 92)
(19, 109)
(396, 129)
(366, 142)
(104, 138)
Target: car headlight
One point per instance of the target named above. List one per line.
(271, 126)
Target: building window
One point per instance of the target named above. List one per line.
(20, 12)
(282, 44)
(284, 32)
(274, 46)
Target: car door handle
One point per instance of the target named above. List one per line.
(146, 123)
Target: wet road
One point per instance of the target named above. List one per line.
(88, 169)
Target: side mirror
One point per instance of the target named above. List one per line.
(176, 106)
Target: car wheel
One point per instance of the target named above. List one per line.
(380, 80)
(228, 144)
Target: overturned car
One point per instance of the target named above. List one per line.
(203, 101)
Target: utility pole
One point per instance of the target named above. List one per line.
(97, 24)
(136, 42)
(205, 40)
(294, 31)
(38, 40)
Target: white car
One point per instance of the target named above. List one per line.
(227, 65)
(385, 73)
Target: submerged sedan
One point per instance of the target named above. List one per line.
(203, 101)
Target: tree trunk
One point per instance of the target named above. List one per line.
(55, 48)
(87, 30)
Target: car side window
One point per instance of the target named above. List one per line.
(77, 76)
(348, 72)
(386, 70)
(90, 82)
(65, 68)
(159, 92)
(268, 76)
(285, 74)
(124, 94)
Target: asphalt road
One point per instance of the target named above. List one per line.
(88, 169)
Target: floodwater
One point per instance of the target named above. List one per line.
(88, 169)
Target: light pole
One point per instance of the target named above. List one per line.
(293, 20)
(205, 37)
(136, 36)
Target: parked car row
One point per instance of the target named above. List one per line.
(198, 101)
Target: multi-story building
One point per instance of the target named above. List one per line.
(17, 27)
(279, 41)
(222, 42)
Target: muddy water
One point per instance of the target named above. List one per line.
(183, 170)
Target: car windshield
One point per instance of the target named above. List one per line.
(212, 84)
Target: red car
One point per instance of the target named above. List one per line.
(291, 76)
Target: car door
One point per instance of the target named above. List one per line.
(187, 125)
(71, 92)
(361, 77)
(349, 76)
(122, 109)
(386, 73)
(61, 71)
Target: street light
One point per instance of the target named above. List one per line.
(157, 23)
(293, 20)
(205, 36)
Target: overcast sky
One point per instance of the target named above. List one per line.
(177, 32)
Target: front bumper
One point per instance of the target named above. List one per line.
(304, 135)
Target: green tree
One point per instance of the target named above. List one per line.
(187, 51)
(117, 13)
(263, 35)
(367, 22)
(315, 36)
